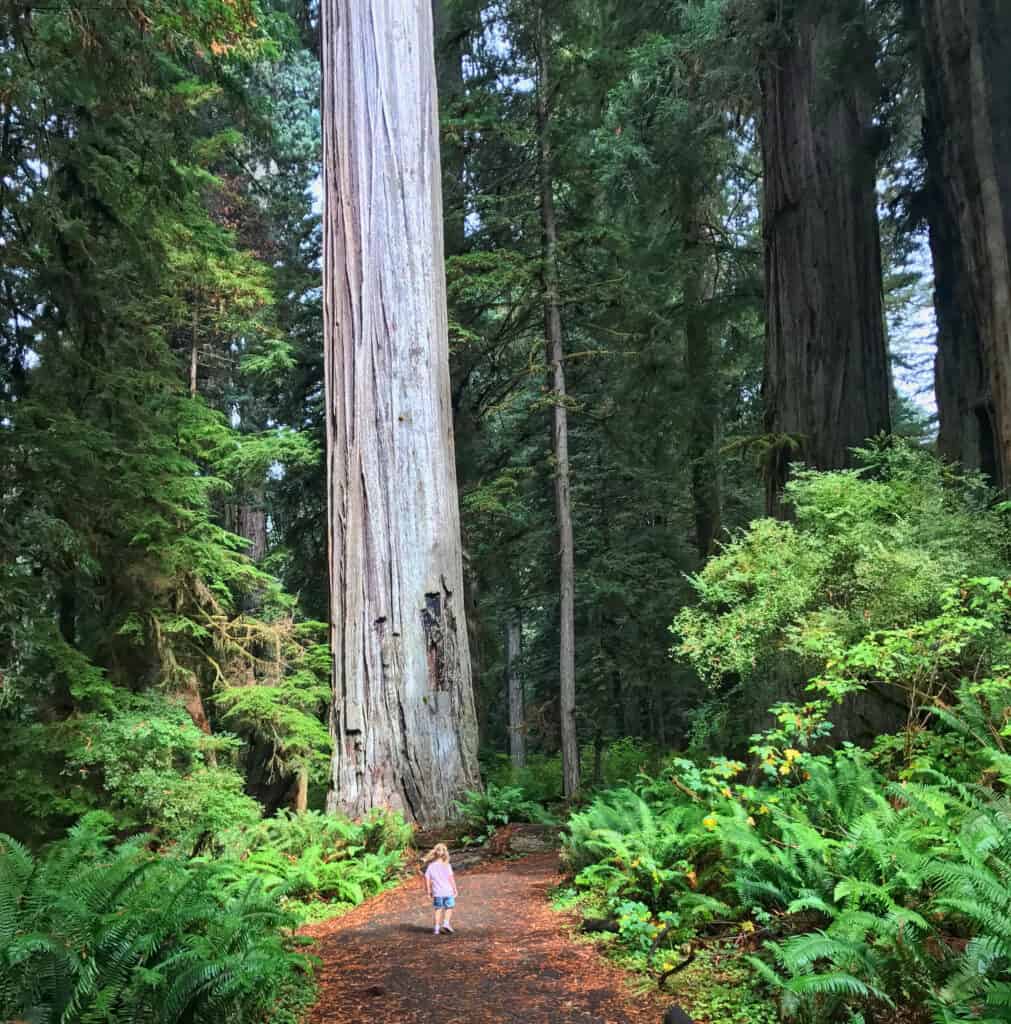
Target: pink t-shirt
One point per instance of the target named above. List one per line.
(440, 875)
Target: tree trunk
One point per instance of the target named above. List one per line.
(514, 692)
(701, 368)
(450, 37)
(826, 384)
(968, 85)
(300, 803)
(560, 426)
(194, 349)
(965, 414)
(403, 719)
(631, 710)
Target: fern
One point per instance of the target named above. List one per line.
(101, 932)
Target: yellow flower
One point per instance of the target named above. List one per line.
(748, 926)
(784, 769)
(726, 792)
(710, 822)
(763, 809)
(791, 754)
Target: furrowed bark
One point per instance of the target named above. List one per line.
(826, 384)
(403, 717)
(966, 80)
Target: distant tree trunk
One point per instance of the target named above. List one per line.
(300, 803)
(403, 721)
(560, 426)
(194, 349)
(450, 39)
(967, 82)
(701, 367)
(631, 707)
(471, 604)
(826, 366)
(514, 693)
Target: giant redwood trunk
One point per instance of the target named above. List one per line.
(826, 384)
(967, 83)
(964, 411)
(403, 717)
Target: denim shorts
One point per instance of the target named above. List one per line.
(443, 902)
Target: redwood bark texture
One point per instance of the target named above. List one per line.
(560, 428)
(968, 91)
(826, 366)
(403, 721)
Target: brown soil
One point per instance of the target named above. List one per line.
(511, 960)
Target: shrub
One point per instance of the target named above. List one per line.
(497, 806)
(310, 858)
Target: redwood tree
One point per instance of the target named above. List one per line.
(826, 369)
(403, 719)
(968, 101)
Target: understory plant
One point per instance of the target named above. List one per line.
(484, 812)
(92, 930)
(316, 864)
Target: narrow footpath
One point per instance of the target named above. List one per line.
(510, 961)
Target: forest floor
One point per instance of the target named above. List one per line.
(512, 958)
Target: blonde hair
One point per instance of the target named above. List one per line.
(438, 852)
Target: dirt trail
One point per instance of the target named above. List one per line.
(510, 960)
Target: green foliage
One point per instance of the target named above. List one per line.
(487, 810)
(310, 858)
(718, 986)
(144, 761)
(93, 931)
(540, 779)
(869, 549)
(868, 893)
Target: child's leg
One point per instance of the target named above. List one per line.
(439, 912)
(448, 917)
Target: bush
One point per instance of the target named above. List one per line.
(870, 893)
(540, 780)
(94, 931)
(497, 806)
(310, 859)
(871, 552)
(144, 762)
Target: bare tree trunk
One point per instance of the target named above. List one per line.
(450, 37)
(966, 79)
(701, 368)
(403, 720)
(826, 366)
(194, 349)
(560, 427)
(300, 803)
(514, 691)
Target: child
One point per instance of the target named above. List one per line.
(441, 887)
